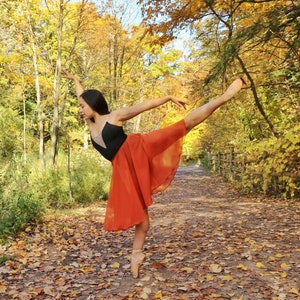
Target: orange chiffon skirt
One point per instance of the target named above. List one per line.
(144, 165)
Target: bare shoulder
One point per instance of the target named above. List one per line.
(115, 118)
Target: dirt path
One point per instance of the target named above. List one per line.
(206, 242)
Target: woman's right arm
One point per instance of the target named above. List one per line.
(78, 87)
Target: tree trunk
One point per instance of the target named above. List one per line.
(37, 88)
(256, 98)
(56, 121)
(24, 121)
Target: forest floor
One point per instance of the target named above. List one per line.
(206, 241)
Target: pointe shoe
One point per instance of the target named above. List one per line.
(137, 258)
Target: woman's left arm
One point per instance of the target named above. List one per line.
(126, 113)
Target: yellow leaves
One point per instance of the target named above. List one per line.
(294, 291)
(242, 267)
(260, 265)
(271, 259)
(215, 296)
(116, 265)
(3, 288)
(227, 278)
(211, 277)
(283, 274)
(87, 270)
(158, 295)
(285, 266)
(279, 255)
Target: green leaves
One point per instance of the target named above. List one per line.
(274, 164)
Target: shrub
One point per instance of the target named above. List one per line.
(22, 208)
(273, 165)
(51, 187)
(90, 177)
(27, 192)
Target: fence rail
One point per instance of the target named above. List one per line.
(233, 166)
(228, 164)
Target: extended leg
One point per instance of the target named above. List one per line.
(201, 113)
(138, 244)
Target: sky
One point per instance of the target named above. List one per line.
(129, 13)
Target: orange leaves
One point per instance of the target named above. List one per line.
(199, 247)
(3, 288)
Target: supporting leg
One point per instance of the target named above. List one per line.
(201, 113)
(138, 256)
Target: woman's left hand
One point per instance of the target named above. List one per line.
(67, 74)
(178, 101)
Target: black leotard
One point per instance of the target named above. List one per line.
(113, 137)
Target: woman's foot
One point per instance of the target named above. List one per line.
(137, 258)
(233, 89)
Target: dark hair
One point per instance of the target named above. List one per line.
(96, 101)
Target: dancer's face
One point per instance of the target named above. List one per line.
(85, 110)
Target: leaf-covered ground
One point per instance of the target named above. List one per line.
(206, 242)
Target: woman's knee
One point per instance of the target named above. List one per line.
(144, 226)
(188, 124)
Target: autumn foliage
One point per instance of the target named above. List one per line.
(43, 138)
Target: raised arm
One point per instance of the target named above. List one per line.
(78, 87)
(127, 113)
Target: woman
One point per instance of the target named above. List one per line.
(142, 164)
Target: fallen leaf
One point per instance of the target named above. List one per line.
(226, 278)
(158, 295)
(158, 265)
(209, 278)
(215, 268)
(284, 266)
(242, 267)
(260, 265)
(60, 281)
(215, 296)
(3, 288)
(116, 265)
(283, 274)
(187, 270)
(294, 291)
